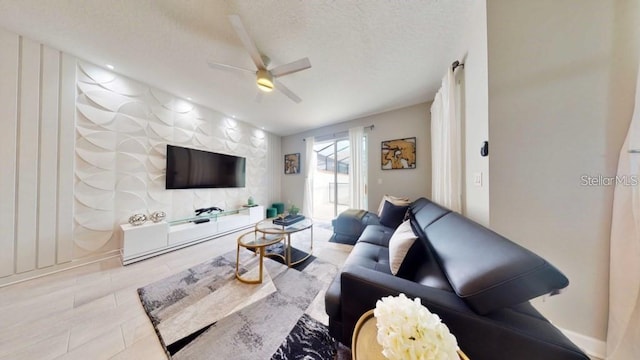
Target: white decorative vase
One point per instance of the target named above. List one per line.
(137, 219)
(157, 216)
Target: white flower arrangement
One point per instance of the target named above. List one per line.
(407, 331)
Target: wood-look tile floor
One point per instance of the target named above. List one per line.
(93, 311)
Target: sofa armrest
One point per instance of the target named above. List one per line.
(350, 224)
(370, 219)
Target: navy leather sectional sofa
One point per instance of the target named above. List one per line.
(476, 280)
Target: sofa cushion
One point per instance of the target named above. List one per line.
(399, 245)
(377, 235)
(393, 215)
(395, 200)
(429, 274)
(370, 256)
(487, 270)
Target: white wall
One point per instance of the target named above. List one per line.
(474, 80)
(560, 74)
(402, 123)
(83, 148)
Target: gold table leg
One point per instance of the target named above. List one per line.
(288, 251)
(239, 277)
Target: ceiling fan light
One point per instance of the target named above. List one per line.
(265, 81)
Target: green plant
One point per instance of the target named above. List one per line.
(294, 210)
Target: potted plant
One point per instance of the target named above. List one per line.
(294, 210)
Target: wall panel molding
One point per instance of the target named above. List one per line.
(37, 110)
(48, 187)
(9, 49)
(66, 146)
(28, 150)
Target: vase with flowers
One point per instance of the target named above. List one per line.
(409, 331)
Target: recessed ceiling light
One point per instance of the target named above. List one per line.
(110, 67)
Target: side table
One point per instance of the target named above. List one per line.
(258, 242)
(364, 344)
(268, 227)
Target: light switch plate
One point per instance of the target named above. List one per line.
(477, 179)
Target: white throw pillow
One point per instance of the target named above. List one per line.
(399, 245)
(397, 201)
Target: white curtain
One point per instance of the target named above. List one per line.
(446, 146)
(623, 337)
(356, 170)
(309, 168)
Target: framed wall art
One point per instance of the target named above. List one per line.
(398, 154)
(292, 163)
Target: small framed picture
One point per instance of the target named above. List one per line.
(398, 154)
(292, 163)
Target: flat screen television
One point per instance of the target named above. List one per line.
(192, 169)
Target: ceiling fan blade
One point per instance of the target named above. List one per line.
(247, 41)
(291, 67)
(283, 89)
(226, 67)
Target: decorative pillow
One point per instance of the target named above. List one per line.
(399, 244)
(392, 215)
(399, 201)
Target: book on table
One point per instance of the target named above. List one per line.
(288, 220)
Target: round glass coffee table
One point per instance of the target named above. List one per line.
(257, 242)
(267, 227)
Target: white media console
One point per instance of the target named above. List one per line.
(151, 239)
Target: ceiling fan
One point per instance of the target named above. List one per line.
(266, 79)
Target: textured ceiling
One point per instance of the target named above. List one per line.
(367, 56)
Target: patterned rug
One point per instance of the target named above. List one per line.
(205, 313)
(308, 340)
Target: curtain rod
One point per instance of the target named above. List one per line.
(456, 64)
(370, 127)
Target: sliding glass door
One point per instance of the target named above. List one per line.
(331, 178)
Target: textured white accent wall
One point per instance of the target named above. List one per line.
(123, 128)
(82, 149)
(36, 153)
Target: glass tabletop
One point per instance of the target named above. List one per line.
(256, 239)
(268, 227)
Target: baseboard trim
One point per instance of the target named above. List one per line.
(592, 346)
(34, 274)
